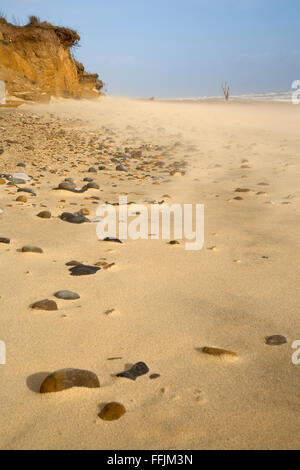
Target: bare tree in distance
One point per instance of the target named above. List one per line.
(225, 88)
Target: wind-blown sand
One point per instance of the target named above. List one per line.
(169, 303)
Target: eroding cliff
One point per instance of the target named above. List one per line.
(36, 63)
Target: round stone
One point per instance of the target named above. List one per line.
(66, 295)
(68, 378)
(44, 215)
(276, 340)
(112, 411)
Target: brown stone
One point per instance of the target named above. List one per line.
(21, 199)
(112, 411)
(218, 352)
(2, 181)
(44, 215)
(45, 304)
(67, 378)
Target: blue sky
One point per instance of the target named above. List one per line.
(172, 48)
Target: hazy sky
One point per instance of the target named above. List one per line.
(172, 48)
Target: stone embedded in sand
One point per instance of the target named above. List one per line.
(67, 378)
(242, 190)
(73, 218)
(66, 295)
(112, 411)
(112, 239)
(21, 199)
(276, 340)
(67, 186)
(2, 181)
(45, 304)
(238, 198)
(92, 185)
(174, 242)
(4, 240)
(73, 263)
(219, 352)
(26, 190)
(138, 369)
(92, 170)
(83, 270)
(154, 376)
(121, 168)
(44, 215)
(83, 212)
(31, 249)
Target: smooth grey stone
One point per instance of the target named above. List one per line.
(140, 368)
(88, 180)
(92, 170)
(92, 185)
(21, 165)
(67, 186)
(21, 176)
(26, 190)
(16, 181)
(121, 168)
(102, 167)
(66, 295)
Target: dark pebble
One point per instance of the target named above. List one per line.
(140, 368)
(83, 270)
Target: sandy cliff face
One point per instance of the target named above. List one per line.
(36, 63)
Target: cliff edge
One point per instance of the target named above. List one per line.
(36, 63)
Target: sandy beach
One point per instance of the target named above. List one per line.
(158, 303)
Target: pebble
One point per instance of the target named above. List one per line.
(67, 378)
(45, 304)
(44, 215)
(2, 181)
(21, 176)
(138, 369)
(83, 270)
(21, 199)
(66, 295)
(4, 240)
(31, 249)
(26, 190)
(112, 239)
(242, 190)
(218, 352)
(112, 411)
(154, 376)
(174, 242)
(121, 168)
(73, 218)
(276, 340)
